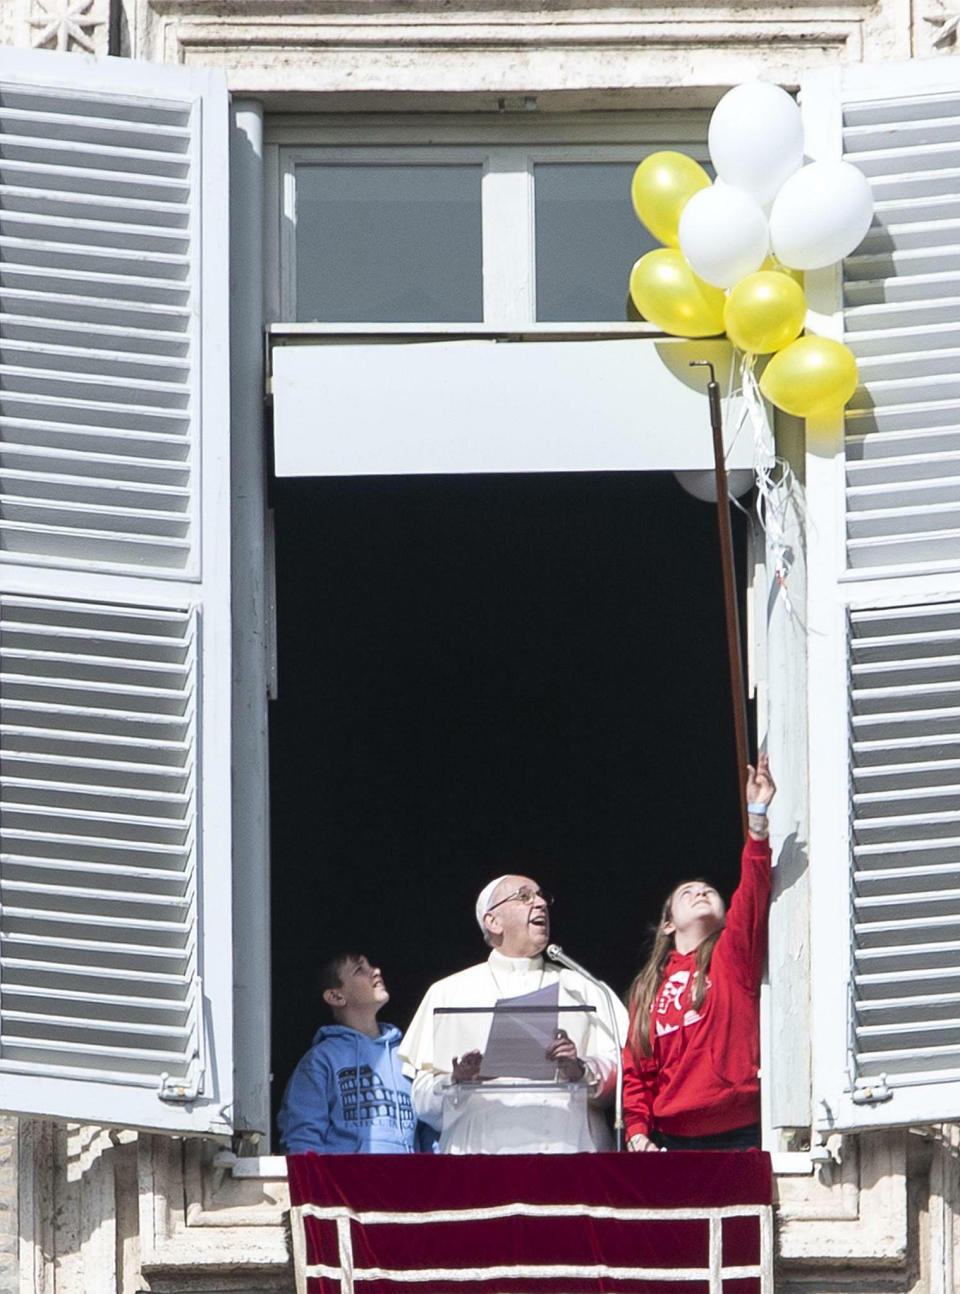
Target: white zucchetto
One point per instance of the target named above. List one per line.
(484, 897)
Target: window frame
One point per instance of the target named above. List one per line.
(546, 138)
(507, 187)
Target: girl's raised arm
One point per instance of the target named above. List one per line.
(759, 791)
(743, 944)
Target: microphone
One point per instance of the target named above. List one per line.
(556, 954)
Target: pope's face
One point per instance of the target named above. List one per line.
(523, 927)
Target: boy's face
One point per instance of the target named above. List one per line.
(361, 985)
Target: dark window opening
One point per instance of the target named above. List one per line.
(488, 674)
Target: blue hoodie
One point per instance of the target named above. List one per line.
(347, 1095)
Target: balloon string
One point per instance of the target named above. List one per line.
(779, 493)
(744, 415)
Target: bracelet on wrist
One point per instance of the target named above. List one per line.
(758, 810)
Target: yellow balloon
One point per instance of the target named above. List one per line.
(667, 292)
(811, 376)
(662, 186)
(771, 263)
(764, 312)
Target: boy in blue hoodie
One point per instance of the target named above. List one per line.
(349, 1094)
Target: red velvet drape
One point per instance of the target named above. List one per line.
(557, 1246)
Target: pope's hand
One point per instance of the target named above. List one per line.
(563, 1053)
(466, 1068)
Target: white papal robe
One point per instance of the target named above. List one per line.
(497, 1116)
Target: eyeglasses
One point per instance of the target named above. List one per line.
(525, 895)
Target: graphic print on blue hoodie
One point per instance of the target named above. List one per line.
(349, 1095)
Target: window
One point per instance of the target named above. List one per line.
(115, 924)
(586, 233)
(389, 244)
(884, 493)
(470, 622)
(470, 241)
(516, 234)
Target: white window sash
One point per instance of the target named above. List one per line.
(200, 591)
(841, 1101)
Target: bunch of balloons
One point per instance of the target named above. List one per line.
(735, 247)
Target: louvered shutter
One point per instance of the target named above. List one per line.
(884, 553)
(115, 947)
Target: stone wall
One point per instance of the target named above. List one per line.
(83, 26)
(9, 1216)
(111, 1213)
(571, 53)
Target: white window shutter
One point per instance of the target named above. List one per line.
(883, 489)
(115, 913)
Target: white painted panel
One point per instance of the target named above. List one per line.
(357, 408)
(905, 802)
(115, 613)
(99, 326)
(98, 953)
(883, 614)
(902, 462)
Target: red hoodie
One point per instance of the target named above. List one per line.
(703, 1075)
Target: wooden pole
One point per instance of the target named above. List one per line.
(738, 691)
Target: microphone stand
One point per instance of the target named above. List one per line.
(556, 954)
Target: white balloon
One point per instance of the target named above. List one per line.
(820, 215)
(756, 138)
(703, 484)
(723, 235)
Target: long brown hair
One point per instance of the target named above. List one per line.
(644, 988)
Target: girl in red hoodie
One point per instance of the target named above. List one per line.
(693, 1050)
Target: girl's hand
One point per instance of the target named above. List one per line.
(760, 788)
(639, 1142)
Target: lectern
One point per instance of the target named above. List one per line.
(521, 1103)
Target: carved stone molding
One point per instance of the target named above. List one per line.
(634, 54)
(194, 1216)
(118, 1213)
(942, 29)
(9, 1221)
(67, 25)
(896, 1229)
(857, 1214)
